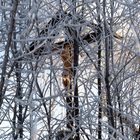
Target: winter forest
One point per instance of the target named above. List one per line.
(69, 70)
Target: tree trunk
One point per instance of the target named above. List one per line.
(99, 72)
(8, 45)
(107, 73)
(76, 102)
(99, 91)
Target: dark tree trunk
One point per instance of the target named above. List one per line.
(76, 102)
(107, 73)
(18, 95)
(108, 94)
(75, 34)
(14, 121)
(120, 110)
(69, 110)
(99, 90)
(99, 72)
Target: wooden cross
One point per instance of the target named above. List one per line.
(66, 56)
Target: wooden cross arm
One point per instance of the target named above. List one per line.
(89, 38)
(42, 49)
